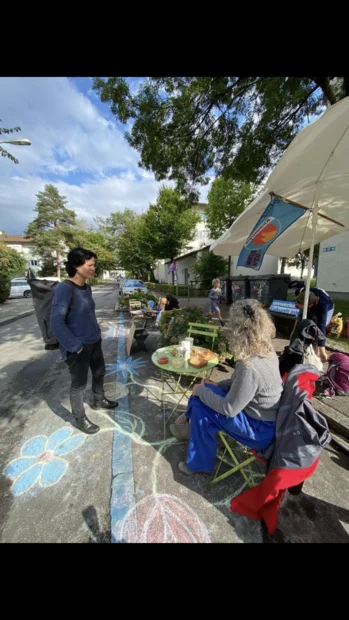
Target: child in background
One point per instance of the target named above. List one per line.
(214, 296)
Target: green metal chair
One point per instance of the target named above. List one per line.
(202, 329)
(232, 450)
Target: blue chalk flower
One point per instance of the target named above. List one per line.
(125, 367)
(41, 460)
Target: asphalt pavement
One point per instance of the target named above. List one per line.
(123, 484)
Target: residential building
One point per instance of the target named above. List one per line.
(25, 246)
(333, 273)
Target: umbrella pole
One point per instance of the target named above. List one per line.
(311, 252)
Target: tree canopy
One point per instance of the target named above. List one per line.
(168, 225)
(185, 127)
(86, 237)
(52, 227)
(7, 131)
(209, 266)
(12, 263)
(140, 241)
(226, 200)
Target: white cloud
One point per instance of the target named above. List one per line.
(74, 146)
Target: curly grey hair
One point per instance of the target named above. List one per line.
(252, 330)
(215, 280)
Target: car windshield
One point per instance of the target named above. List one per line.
(133, 283)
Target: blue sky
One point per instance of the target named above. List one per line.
(76, 144)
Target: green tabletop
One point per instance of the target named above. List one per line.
(185, 368)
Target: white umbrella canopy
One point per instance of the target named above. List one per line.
(314, 173)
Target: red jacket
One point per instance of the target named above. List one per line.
(301, 434)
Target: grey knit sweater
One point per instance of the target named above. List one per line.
(255, 389)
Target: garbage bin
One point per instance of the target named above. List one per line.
(240, 288)
(269, 287)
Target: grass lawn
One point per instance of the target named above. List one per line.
(341, 342)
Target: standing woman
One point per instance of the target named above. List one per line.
(214, 296)
(74, 323)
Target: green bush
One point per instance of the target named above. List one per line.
(182, 290)
(142, 297)
(150, 284)
(5, 287)
(172, 331)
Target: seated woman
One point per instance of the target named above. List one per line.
(244, 407)
(171, 304)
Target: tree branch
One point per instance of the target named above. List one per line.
(324, 84)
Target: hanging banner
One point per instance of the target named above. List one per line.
(172, 267)
(277, 217)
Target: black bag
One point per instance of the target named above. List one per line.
(42, 292)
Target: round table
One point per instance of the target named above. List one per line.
(186, 369)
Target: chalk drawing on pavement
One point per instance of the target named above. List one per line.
(41, 462)
(125, 367)
(163, 518)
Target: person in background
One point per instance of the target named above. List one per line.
(245, 406)
(74, 323)
(171, 304)
(320, 310)
(214, 296)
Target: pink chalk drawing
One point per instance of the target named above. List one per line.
(161, 518)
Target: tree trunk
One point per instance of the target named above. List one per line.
(172, 272)
(316, 263)
(327, 89)
(58, 259)
(152, 275)
(283, 265)
(303, 262)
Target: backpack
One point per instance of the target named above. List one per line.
(335, 326)
(338, 375)
(42, 292)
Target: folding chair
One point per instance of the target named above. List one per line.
(202, 329)
(140, 335)
(134, 304)
(235, 449)
(135, 308)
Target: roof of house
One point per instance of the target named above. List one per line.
(15, 239)
(204, 247)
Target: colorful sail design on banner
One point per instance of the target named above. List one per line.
(277, 217)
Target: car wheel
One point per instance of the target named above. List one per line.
(27, 294)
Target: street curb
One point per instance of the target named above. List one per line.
(11, 319)
(334, 349)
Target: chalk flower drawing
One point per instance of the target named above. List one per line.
(41, 460)
(163, 518)
(125, 367)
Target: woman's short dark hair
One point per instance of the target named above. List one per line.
(76, 258)
(169, 296)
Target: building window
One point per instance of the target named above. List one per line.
(203, 216)
(34, 263)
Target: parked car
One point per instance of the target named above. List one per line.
(20, 288)
(132, 286)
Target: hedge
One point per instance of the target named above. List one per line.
(182, 290)
(5, 287)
